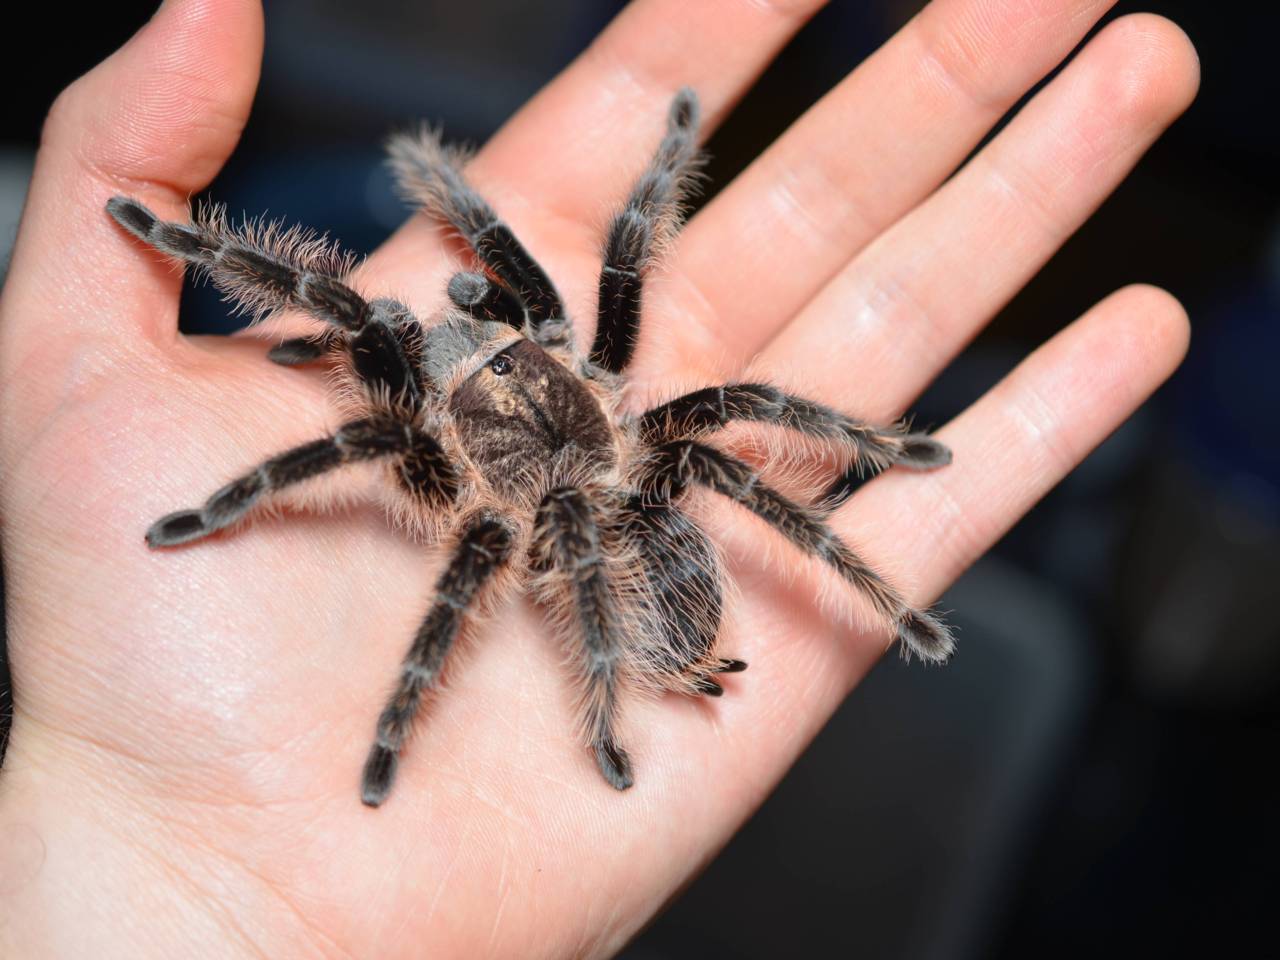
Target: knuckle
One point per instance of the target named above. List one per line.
(958, 57)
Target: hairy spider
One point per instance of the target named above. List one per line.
(504, 441)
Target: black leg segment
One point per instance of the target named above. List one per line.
(297, 351)
(919, 451)
(486, 299)
(359, 440)
(427, 472)
(681, 463)
(650, 218)
(567, 540)
(483, 548)
(873, 448)
(431, 175)
(261, 267)
(378, 359)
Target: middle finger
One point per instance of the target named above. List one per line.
(899, 312)
(858, 160)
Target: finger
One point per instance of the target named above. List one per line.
(156, 120)
(1021, 438)
(579, 126)
(1011, 447)
(903, 309)
(866, 153)
(570, 154)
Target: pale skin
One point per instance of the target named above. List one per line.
(190, 724)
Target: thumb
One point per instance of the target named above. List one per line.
(156, 120)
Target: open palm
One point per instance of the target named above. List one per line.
(191, 724)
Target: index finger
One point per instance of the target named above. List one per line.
(572, 151)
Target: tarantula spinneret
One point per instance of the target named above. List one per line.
(514, 449)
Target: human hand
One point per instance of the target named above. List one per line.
(190, 724)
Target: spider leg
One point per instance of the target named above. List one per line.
(568, 543)
(649, 219)
(296, 351)
(261, 267)
(424, 470)
(846, 485)
(873, 448)
(430, 174)
(385, 356)
(486, 299)
(683, 462)
(684, 586)
(482, 549)
(264, 268)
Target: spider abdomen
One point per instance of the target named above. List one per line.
(684, 579)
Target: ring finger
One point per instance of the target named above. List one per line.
(900, 311)
(869, 151)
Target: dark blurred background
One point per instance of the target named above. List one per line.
(1092, 773)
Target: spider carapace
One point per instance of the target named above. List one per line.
(504, 443)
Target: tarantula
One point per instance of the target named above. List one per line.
(500, 437)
